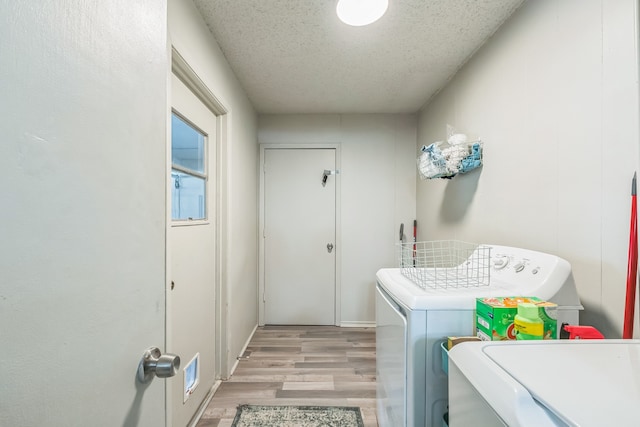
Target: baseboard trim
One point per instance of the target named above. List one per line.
(244, 348)
(357, 324)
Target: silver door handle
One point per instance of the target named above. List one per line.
(329, 247)
(326, 175)
(154, 363)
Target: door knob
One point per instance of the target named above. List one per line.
(154, 363)
(326, 175)
(329, 247)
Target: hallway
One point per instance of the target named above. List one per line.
(301, 365)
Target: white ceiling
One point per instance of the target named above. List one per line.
(295, 56)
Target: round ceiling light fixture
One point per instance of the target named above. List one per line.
(358, 13)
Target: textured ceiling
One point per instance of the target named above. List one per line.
(295, 56)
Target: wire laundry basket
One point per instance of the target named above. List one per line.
(445, 263)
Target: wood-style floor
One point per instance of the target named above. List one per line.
(301, 365)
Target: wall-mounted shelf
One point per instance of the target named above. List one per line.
(447, 159)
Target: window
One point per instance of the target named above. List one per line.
(188, 171)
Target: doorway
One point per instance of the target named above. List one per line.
(299, 247)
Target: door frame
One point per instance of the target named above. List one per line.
(261, 225)
(190, 78)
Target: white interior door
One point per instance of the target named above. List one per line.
(299, 236)
(82, 221)
(191, 250)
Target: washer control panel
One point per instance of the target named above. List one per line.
(518, 265)
(522, 266)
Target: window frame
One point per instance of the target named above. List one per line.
(191, 172)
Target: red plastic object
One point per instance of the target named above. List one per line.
(583, 333)
(632, 267)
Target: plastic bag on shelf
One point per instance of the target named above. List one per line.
(432, 163)
(473, 160)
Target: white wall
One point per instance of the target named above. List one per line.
(82, 223)
(377, 176)
(554, 97)
(191, 37)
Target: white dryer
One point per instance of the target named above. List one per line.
(412, 322)
(586, 383)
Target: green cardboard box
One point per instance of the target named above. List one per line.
(494, 317)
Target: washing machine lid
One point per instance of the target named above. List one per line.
(575, 383)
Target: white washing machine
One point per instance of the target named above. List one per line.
(412, 322)
(586, 383)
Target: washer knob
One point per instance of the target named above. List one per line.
(500, 262)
